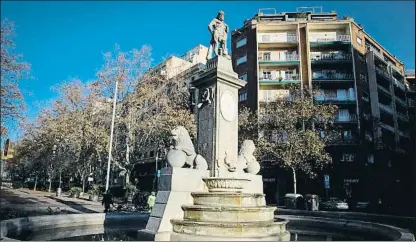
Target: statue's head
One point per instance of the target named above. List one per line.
(181, 138)
(220, 16)
(247, 148)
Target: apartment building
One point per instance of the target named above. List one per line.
(182, 67)
(316, 49)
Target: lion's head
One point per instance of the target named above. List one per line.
(182, 140)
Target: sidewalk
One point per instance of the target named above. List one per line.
(45, 203)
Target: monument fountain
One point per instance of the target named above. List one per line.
(221, 196)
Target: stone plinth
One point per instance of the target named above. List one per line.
(175, 188)
(217, 116)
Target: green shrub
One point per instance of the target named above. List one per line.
(130, 189)
(95, 191)
(75, 190)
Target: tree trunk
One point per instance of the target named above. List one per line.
(60, 179)
(127, 177)
(50, 184)
(83, 184)
(294, 181)
(36, 183)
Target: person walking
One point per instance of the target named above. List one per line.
(107, 201)
(151, 201)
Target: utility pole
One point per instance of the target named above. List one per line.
(111, 137)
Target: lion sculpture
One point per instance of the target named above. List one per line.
(246, 159)
(183, 152)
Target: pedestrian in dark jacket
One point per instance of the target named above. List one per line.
(107, 201)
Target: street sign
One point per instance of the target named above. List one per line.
(326, 184)
(90, 179)
(158, 173)
(326, 178)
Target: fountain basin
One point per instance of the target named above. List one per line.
(230, 229)
(225, 184)
(228, 199)
(228, 214)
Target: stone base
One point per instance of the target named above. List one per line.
(175, 188)
(190, 237)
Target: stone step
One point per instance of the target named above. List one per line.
(229, 199)
(230, 229)
(228, 214)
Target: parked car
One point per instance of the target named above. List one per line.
(362, 205)
(333, 204)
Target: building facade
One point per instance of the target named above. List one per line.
(183, 68)
(314, 49)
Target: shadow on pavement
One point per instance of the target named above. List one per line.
(73, 205)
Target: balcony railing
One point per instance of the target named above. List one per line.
(290, 57)
(331, 57)
(387, 91)
(402, 116)
(339, 38)
(376, 52)
(388, 127)
(402, 101)
(290, 38)
(396, 69)
(382, 72)
(352, 118)
(332, 76)
(399, 84)
(404, 134)
(284, 78)
(411, 87)
(346, 140)
(386, 108)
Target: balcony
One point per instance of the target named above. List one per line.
(402, 116)
(375, 52)
(382, 72)
(287, 79)
(346, 140)
(333, 100)
(339, 39)
(292, 59)
(401, 101)
(332, 76)
(399, 84)
(404, 134)
(395, 68)
(277, 38)
(330, 57)
(384, 90)
(386, 108)
(411, 87)
(387, 127)
(352, 118)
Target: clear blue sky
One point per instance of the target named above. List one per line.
(63, 39)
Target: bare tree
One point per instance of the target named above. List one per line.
(12, 70)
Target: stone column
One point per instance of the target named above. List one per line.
(217, 116)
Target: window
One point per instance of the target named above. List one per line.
(267, 75)
(241, 42)
(242, 96)
(359, 41)
(370, 158)
(347, 157)
(243, 77)
(267, 56)
(242, 60)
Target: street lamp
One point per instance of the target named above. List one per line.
(111, 137)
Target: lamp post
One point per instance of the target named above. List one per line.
(111, 137)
